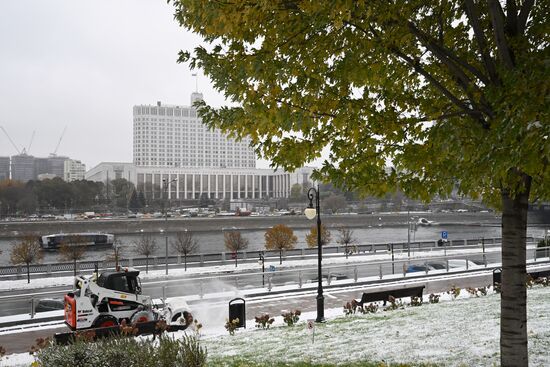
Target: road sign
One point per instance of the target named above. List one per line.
(444, 235)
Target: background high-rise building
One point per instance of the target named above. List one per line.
(23, 167)
(74, 170)
(174, 136)
(177, 157)
(4, 168)
(26, 167)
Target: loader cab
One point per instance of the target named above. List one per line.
(121, 281)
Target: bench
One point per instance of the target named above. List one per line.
(497, 274)
(395, 293)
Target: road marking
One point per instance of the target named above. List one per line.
(330, 295)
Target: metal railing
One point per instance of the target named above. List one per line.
(303, 279)
(207, 259)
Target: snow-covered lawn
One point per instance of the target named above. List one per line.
(453, 332)
(464, 331)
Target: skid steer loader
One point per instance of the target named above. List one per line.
(107, 299)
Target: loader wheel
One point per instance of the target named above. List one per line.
(187, 318)
(142, 316)
(106, 321)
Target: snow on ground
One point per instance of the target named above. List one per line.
(328, 259)
(454, 332)
(457, 332)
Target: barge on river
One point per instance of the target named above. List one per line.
(88, 239)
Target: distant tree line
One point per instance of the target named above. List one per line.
(58, 196)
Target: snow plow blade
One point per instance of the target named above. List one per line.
(142, 328)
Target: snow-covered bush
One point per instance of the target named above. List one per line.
(529, 281)
(351, 307)
(370, 308)
(264, 321)
(433, 298)
(291, 318)
(416, 301)
(454, 292)
(483, 290)
(544, 281)
(231, 325)
(394, 304)
(124, 351)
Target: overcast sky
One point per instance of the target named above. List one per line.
(84, 64)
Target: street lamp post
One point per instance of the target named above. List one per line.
(408, 233)
(165, 184)
(262, 261)
(310, 213)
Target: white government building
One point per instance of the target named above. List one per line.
(174, 150)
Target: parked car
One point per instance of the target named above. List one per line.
(442, 265)
(49, 304)
(416, 268)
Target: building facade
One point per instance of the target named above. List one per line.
(4, 168)
(177, 156)
(174, 136)
(194, 183)
(26, 167)
(23, 167)
(73, 170)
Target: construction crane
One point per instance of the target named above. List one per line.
(54, 154)
(26, 151)
(11, 141)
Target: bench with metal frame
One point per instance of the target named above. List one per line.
(497, 274)
(395, 293)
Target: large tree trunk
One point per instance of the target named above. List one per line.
(513, 306)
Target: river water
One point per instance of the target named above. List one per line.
(212, 242)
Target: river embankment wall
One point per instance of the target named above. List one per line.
(9, 230)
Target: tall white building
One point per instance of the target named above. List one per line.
(73, 170)
(174, 136)
(177, 157)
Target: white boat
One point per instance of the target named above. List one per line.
(88, 239)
